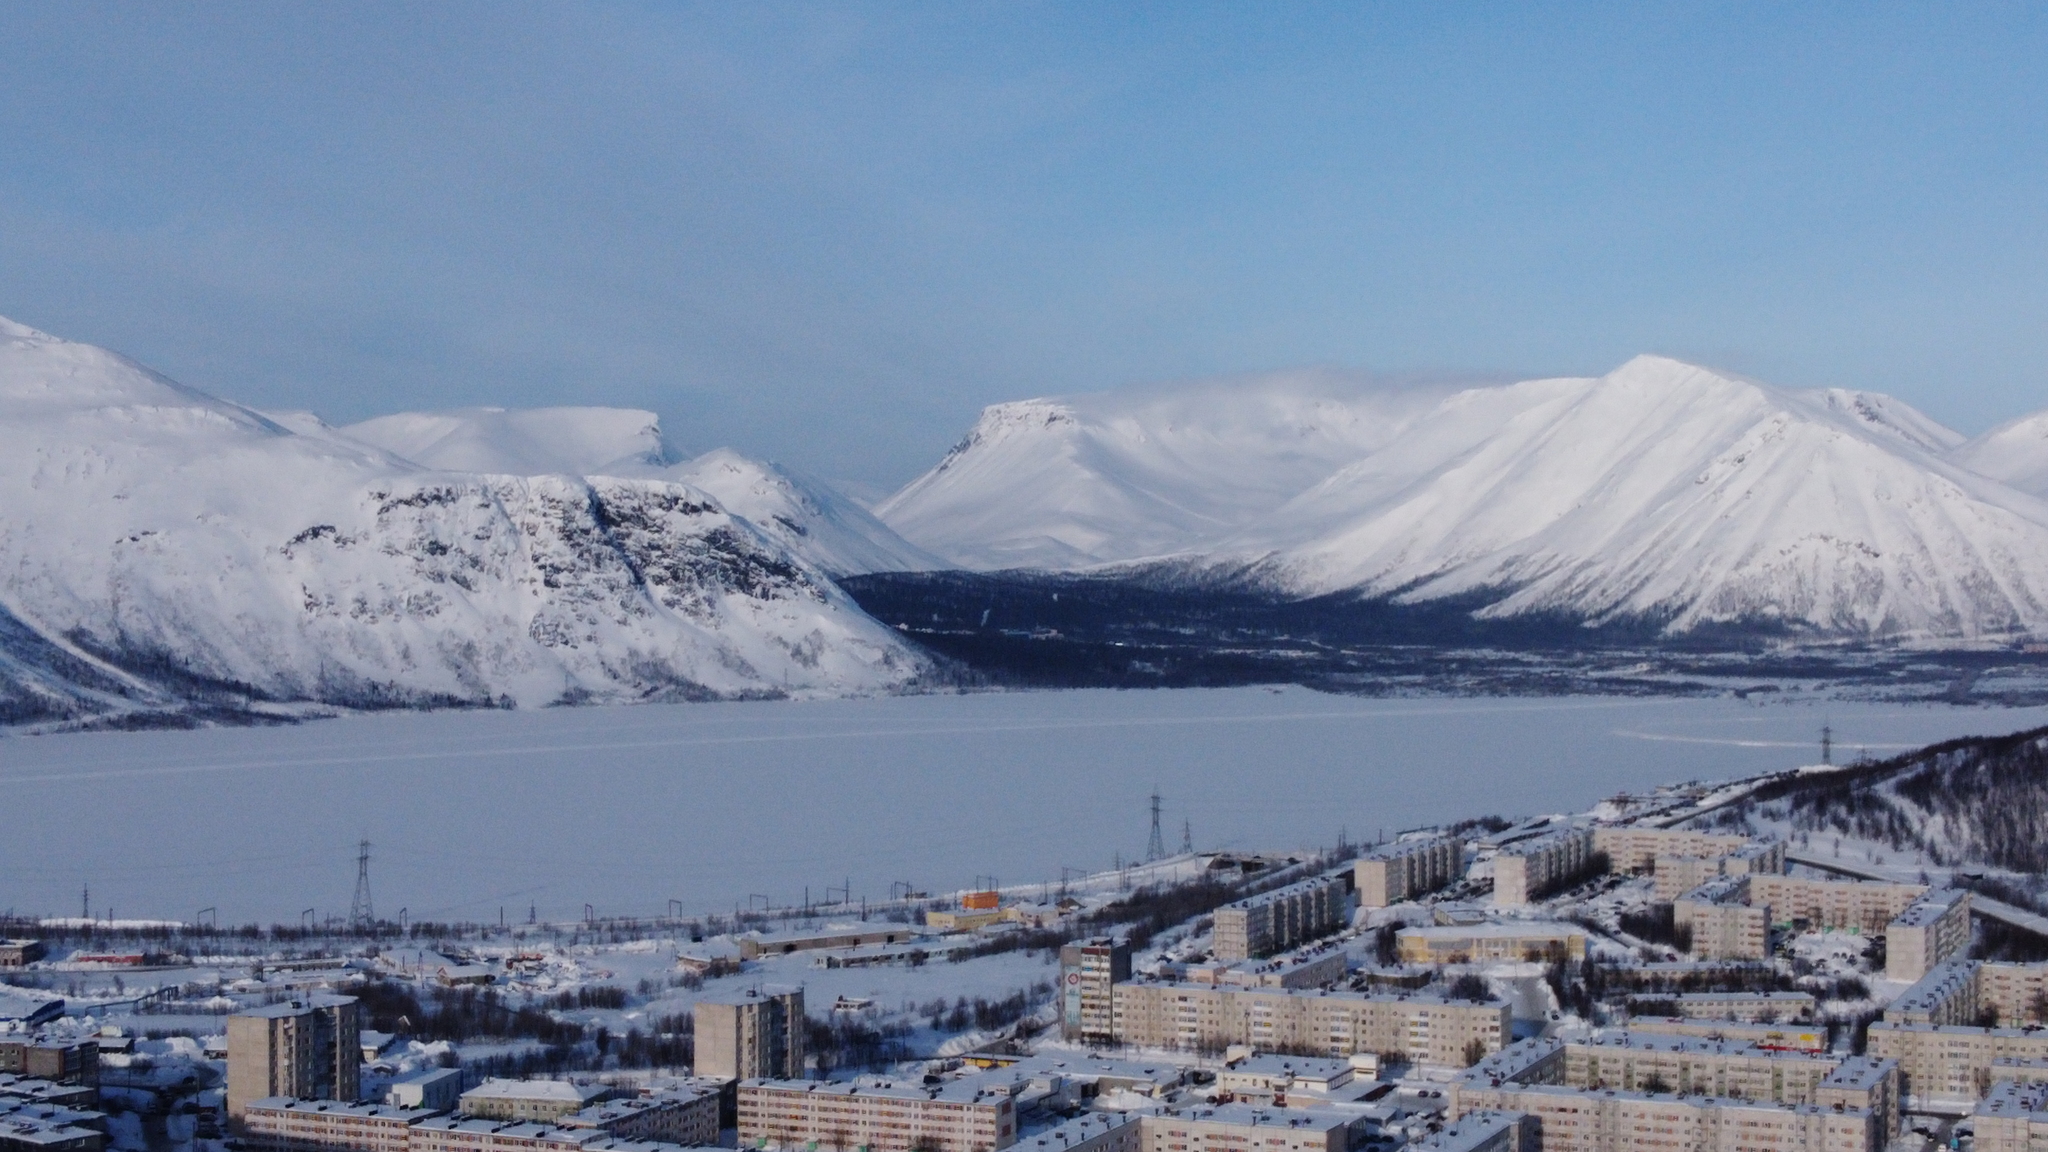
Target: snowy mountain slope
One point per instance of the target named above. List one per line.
(2014, 453)
(1070, 482)
(1669, 492)
(167, 542)
(805, 517)
(522, 442)
(1659, 492)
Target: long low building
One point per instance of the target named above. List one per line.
(1622, 1093)
(1637, 849)
(1841, 905)
(1489, 942)
(1415, 1026)
(1967, 992)
(971, 1115)
(1788, 1037)
(1944, 1065)
(1750, 1007)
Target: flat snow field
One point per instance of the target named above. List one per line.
(626, 808)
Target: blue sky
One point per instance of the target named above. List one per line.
(828, 234)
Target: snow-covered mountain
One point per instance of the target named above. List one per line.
(161, 545)
(1660, 492)
(1076, 481)
(804, 516)
(2015, 453)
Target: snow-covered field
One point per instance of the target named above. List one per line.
(628, 808)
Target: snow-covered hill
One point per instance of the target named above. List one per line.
(1070, 482)
(804, 516)
(2015, 452)
(158, 545)
(1659, 492)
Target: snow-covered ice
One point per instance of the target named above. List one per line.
(627, 808)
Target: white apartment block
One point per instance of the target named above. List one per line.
(977, 1114)
(1281, 919)
(1863, 905)
(1722, 924)
(1204, 1018)
(1947, 1064)
(1405, 869)
(1622, 1094)
(2012, 1117)
(285, 1124)
(1930, 930)
(1525, 871)
(1637, 849)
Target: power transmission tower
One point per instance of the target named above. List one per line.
(1155, 848)
(359, 913)
(1827, 744)
(1187, 838)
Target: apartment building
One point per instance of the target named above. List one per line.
(1930, 930)
(1090, 1132)
(1790, 1037)
(1281, 919)
(1405, 869)
(685, 1114)
(1239, 1127)
(286, 1124)
(1089, 973)
(307, 1048)
(1480, 1132)
(472, 1134)
(1751, 1007)
(57, 1058)
(1960, 992)
(1203, 1018)
(1945, 1064)
(1637, 849)
(1677, 875)
(1318, 966)
(1648, 1063)
(532, 1100)
(1485, 943)
(29, 1130)
(1842, 905)
(1523, 872)
(2017, 992)
(1853, 1107)
(2012, 1117)
(977, 1114)
(1723, 921)
(754, 1034)
(1948, 994)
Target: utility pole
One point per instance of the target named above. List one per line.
(359, 912)
(1155, 848)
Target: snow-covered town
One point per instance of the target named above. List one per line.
(1689, 968)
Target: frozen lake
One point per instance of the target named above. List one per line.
(627, 808)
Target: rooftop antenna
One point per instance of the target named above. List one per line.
(1155, 848)
(1827, 744)
(359, 913)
